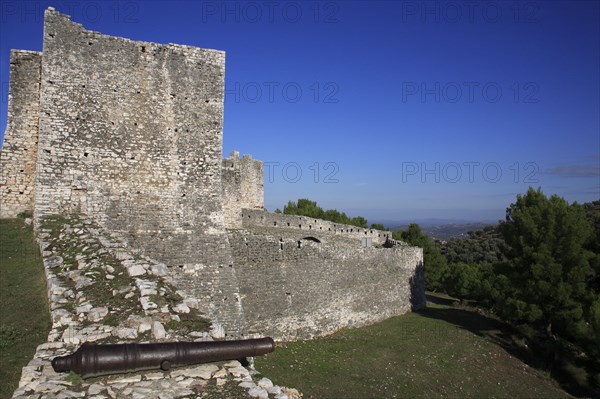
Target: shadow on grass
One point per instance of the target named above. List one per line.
(439, 300)
(508, 338)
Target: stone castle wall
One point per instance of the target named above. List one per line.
(301, 289)
(131, 135)
(243, 187)
(319, 228)
(19, 152)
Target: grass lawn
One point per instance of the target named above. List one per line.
(24, 317)
(440, 352)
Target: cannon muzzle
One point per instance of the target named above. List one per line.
(92, 360)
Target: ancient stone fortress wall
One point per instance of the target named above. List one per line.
(243, 187)
(131, 135)
(19, 152)
(298, 289)
(310, 226)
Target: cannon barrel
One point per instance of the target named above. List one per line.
(92, 360)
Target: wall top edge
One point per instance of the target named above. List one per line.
(51, 13)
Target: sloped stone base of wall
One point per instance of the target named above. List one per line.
(102, 291)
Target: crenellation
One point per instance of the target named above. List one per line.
(254, 218)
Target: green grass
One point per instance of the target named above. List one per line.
(442, 351)
(24, 316)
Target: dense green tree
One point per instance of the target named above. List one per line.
(433, 260)
(592, 214)
(378, 226)
(306, 207)
(462, 280)
(482, 246)
(360, 222)
(546, 279)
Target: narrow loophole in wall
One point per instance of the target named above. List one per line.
(274, 223)
(288, 224)
(143, 48)
(85, 154)
(299, 244)
(300, 225)
(310, 226)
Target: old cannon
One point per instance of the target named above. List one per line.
(92, 360)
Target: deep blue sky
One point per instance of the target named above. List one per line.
(408, 109)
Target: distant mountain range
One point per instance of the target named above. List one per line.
(440, 229)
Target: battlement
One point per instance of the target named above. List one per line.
(319, 228)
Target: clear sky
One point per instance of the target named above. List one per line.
(397, 110)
